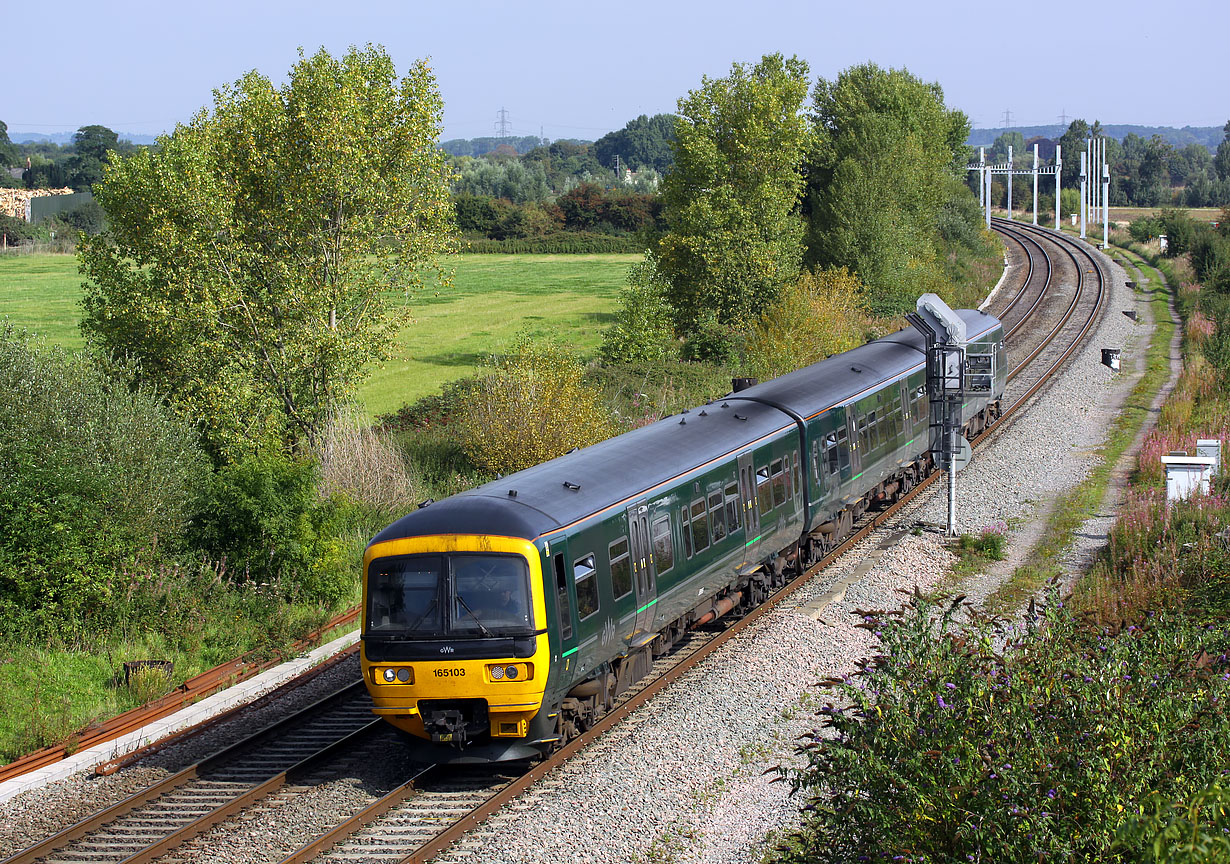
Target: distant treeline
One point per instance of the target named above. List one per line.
(1208, 136)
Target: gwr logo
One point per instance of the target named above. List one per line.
(447, 649)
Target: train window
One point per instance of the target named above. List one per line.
(700, 526)
(686, 525)
(621, 568)
(864, 442)
(779, 483)
(843, 448)
(716, 517)
(732, 507)
(830, 453)
(794, 461)
(873, 431)
(587, 586)
(562, 610)
(920, 404)
(663, 552)
(764, 492)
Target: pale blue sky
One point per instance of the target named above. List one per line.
(579, 70)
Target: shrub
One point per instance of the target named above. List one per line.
(947, 749)
(1190, 831)
(1145, 228)
(821, 314)
(263, 519)
(711, 341)
(642, 330)
(93, 469)
(987, 543)
(532, 405)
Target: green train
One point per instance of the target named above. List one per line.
(501, 622)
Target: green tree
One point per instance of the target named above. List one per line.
(8, 150)
(886, 147)
(91, 146)
(1222, 160)
(733, 234)
(1072, 144)
(252, 261)
(999, 150)
(643, 142)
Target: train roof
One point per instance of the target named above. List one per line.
(548, 497)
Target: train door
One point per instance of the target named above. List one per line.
(751, 515)
(559, 595)
(856, 444)
(644, 575)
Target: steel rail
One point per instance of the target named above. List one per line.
(192, 690)
(194, 772)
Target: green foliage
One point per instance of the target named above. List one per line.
(643, 330)
(262, 519)
(1190, 831)
(8, 150)
(249, 259)
(1179, 229)
(94, 470)
(878, 180)
(532, 405)
(944, 748)
(512, 179)
(821, 314)
(1145, 228)
(731, 199)
(643, 142)
(987, 544)
(712, 341)
(557, 243)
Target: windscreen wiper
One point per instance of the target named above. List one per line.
(477, 620)
(428, 611)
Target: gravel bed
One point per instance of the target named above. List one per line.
(34, 815)
(683, 778)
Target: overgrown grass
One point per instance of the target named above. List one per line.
(51, 691)
(1078, 504)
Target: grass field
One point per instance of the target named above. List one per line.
(493, 298)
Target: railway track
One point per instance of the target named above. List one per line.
(437, 805)
(156, 820)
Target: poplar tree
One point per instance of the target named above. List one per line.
(731, 198)
(254, 260)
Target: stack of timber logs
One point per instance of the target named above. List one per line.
(13, 202)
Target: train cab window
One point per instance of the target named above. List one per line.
(717, 516)
(779, 483)
(562, 610)
(700, 526)
(663, 551)
(583, 573)
(621, 568)
(404, 594)
(764, 491)
(732, 507)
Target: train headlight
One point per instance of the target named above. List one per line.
(511, 672)
(390, 675)
(497, 672)
(404, 676)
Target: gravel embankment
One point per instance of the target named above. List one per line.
(683, 778)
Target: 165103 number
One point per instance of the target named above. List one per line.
(450, 673)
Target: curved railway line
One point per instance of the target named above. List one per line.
(1058, 301)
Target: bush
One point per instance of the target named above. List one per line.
(262, 518)
(987, 543)
(93, 470)
(821, 314)
(360, 464)
(642, 330)
(532, 405)
(711, 341)
(948, 750)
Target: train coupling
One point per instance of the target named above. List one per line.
(446, 727)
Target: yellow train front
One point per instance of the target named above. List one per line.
(455, 648)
